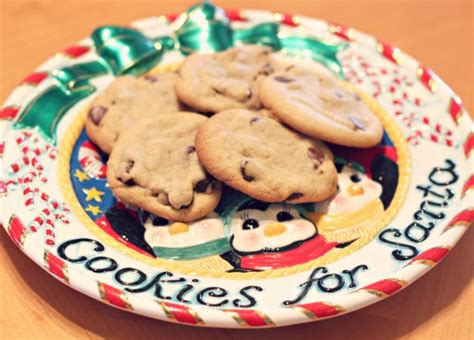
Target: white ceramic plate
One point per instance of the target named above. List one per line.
(416, 203)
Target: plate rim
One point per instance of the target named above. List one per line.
(302, 318)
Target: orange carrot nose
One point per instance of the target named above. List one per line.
(274, 229)
(355, 189)
(177, 228)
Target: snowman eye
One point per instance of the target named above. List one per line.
(283, 216)
(355, 178)
(248, 223)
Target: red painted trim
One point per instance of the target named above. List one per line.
(465, 218)
(181, 313)
(425, 75)
(468, 185)
(171, 17)
(341, 31)
(9, 112)
(16, 230)
(455, 108)
(308, 251)
(289, 20)
(320, 309)
(251, 317)
(35, 79)
(55, 265)
(113, 296)
(76, 51)
(234, 15)
(469, 144)
(389, 52)
(387, 286)
(434, 254)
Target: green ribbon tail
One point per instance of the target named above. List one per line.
(128, 51)
(317, 50)
(71, 85)
(75, 79)
(261, 34)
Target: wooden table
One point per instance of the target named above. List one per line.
(438, 306)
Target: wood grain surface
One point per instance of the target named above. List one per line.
(33, 305)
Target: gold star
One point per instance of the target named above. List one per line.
(93, 194)
(81, 176)
(93, 209)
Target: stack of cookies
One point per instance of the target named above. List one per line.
(243, 117)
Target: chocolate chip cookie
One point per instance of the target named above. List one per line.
(154, 166)
(227, 80)
(264, 159)
(312, 100)
(125, 100)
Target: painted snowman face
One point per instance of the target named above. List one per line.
(355, 190)
(268, 227)
(163, 233)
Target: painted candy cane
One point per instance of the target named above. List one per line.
(440, 129)
(90, 160)
(420, 134)
(15, 167)
(29, 196)
(37, 223)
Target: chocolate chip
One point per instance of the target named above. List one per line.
(254, 119)
(290, 67)
(294, 196)
(151, 79)
(129, 182)
(97, 113)
(357, 97)
(316, 156)
(113, 102)
(217, 90)
(266, 69)
(190, 149)
(357, 123)
(243, 172)
(129, 166)
(283, 79)
(203, 185)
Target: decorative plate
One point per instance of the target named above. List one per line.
(416, 199)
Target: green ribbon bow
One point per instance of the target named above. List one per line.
(121, 50)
